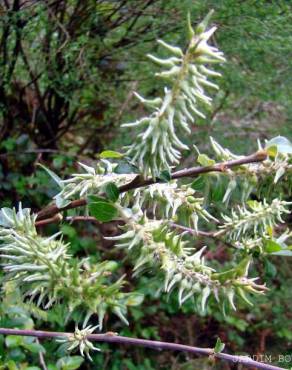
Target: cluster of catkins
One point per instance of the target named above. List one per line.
(47, 274)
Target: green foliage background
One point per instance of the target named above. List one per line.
(66, 75)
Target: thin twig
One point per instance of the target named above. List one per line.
(51, 220)
(112, 338)
(42, 358)
(209, 234)
(192, 231)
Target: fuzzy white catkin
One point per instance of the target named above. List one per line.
(157, 147)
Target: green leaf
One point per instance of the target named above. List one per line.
(253, 204)
(110, 154)
(219, 346)
(270, 231)
(271, 246)
(103, 211)
(112, 191)
(134, 299)
(69, 362)
(205, 161)
(13, 341)
(283, 145)
(69, 231)
(217, 190)
(224, 276)
(34, 347)
(52, 367)
(199, 183)
(242, 268)
(272, 151)
(270, 268)
(125, 167)
(11, 365)
(95, 198)
(165, 176)
(109, 265)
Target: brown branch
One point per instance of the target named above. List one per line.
(139, 182)
(209, 234)
(194, 232)
(53, 209)
(83, 218)
(51, 220)
(112, 338)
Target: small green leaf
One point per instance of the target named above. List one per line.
(253, 204)
(109, 265)
(199, 183)
(270, 269)
(205, 161)
(11, 365)
(224, 276)
(271, 246)
(219, 346)
(270, 231)
(125, 167)
(13, 341)
(112, 191)
(242, 268)
(134, 299)
(95, 198)
(283, 145)
(272, 151)
(165, 176)
(110, 154)
(217, 189)
(103, 211)
(34, 347)
(68, 230)
(69, 362)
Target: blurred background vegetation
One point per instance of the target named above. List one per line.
(67, 72)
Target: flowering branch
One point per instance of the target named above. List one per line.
(114, 338)
(148, 205)
(47, 273)
(51, 210)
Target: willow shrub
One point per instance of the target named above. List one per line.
(240, 202)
